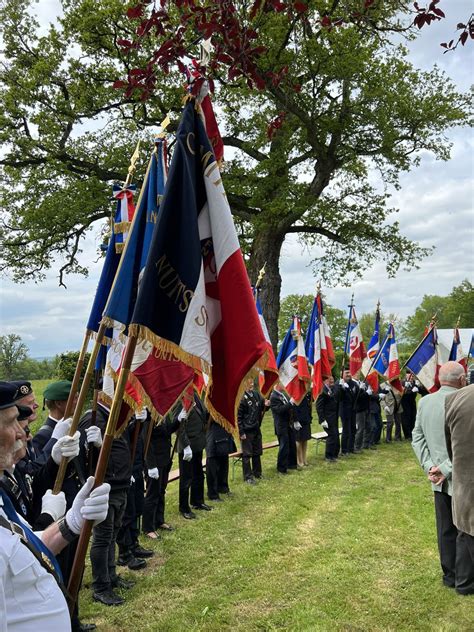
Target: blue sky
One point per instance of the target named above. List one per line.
(436, 208)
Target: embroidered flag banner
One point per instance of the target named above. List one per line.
(195, 300)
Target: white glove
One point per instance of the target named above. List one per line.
(153, 472)
(141, 415)
(132, 479)
(387, 409)
(345, 384)
(54, 505)
(341, 382)
(61, 428)
(369, 391)
(88, 505)
(297, 426)
(325, 424)
(362, 386)
(94, 436)
(182, 415)
(406, 384)
(414, 389)
(381, 396)
(292, 401)
(187, 453)
(67, 447)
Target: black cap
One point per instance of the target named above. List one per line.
(8, 395)
(23, 388)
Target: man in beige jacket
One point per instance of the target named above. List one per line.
(429, 445)
(459, 408)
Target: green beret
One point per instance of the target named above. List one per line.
(58, 391)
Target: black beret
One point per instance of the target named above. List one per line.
(23, 388)
(8, 395)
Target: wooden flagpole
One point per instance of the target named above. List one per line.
(79, 559)
(77, 375)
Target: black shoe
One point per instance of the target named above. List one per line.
(120, 582)
(216, 500)
(108, 598)
(250, 481)
(136, 563)
(189, 515)
(139, 551)
(202, 507)
(87, 627)
(330, 459)
(122, 560)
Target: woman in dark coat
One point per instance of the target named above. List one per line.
(304, 417)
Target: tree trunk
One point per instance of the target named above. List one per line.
(266, 248)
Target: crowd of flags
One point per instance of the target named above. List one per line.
(175, 280)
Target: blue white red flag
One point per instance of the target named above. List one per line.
(156, 380)
(471, 348)
(292, 363)
(386, 363)
(112, 257)
(269, 375)
(424, 361)
(318, 347)
(355, 347)
(195, 300)
(456, 354)
(371, 376)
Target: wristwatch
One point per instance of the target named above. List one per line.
(65, 531)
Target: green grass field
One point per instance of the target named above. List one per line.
(348, 546)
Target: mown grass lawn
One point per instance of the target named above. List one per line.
(346, 546)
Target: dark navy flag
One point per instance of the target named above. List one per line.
(112, 257)
(424, 361)
(122, 297)
(195, 300)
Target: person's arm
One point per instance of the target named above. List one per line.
(278, 406)
(320, 407)
(53, 539)
(419, 443)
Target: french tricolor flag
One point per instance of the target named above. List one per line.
(387, 364)
(318, 347)
(195, 301)
(424, 361)
(456, 354)
(292, 363)
(371, 376)
(355, 347)
(269, 375)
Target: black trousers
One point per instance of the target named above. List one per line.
(191, 478)
(217, 476)
(349, 429)
(333, 441)
(377, 427)
(104, 536)
(286, 450)
(251, 453)
(408, 422)
(127, 537)
(456, 552)
(154, 509)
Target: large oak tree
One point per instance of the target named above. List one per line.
(321, 111)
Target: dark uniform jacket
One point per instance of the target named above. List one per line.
(218, 441)
(250, 412)
(282, 411)
(159, 450)
(361, 402)
(347, 398)
(327, 404)
(43, 435)
(193, 429)
(119, 467)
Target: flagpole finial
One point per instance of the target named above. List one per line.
(261, 274)
(133, 165)
(378, 304)
(318, 287)
(163, 125)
